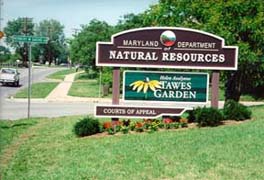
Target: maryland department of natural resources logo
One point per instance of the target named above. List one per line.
(168, 38)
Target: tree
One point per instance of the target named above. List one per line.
(20, 26)
(130, 21)
(4, 54)
(83, 46)
(56, 48)
(239, 22)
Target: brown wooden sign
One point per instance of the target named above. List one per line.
(119, 111)
(164, 47)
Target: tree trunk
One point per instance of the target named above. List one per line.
(233, 86)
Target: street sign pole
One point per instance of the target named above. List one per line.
(29, 79)
(29, 40)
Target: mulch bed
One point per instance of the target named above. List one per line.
(190, 126)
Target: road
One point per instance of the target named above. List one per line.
(38, 74)
(16, 110)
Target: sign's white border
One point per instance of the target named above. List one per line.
(169, 102)
(162, 66)
(136, 106)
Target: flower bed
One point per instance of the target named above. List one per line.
(145, 125)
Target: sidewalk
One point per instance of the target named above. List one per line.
(60, 93)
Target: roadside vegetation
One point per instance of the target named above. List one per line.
(38, 90)
(87, 85)
(51, 150)
(243, 97)
(60, 75)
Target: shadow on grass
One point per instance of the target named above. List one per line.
(16, 125)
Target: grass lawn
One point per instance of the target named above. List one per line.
(9, 130)
(38, 90)
(85, 88)
(61, 74)
(50, 150)
(243, 97)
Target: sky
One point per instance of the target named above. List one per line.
(72, 13)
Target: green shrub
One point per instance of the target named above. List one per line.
(207, 116)
(236, 111)
(87, 126)
(191, 116)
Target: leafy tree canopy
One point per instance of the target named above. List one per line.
(56, 47)
(83, 46)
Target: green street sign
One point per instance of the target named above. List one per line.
(166, 86)
(31, 39)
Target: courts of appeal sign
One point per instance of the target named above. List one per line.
(167, 47)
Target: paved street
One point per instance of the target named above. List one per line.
(17, 110)
(38, 74)
(58, 103)
(14, 110)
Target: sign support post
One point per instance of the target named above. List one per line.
(29, 80)
(115, 88)
(215, 89)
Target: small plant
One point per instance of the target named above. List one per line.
(176, 125)
(208, 116)
(167, 123)
(87, 126)
(111, 131)
(132, 126)
(236, 111)
(107, 125)
(161, 125)
(126, 122)
(183, 125)
(139, 127)
(167, 120)
(154, 126)
(124, 129)
(112, 127)
(191, 116)
(183, 122)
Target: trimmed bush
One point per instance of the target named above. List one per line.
(236, 111)
(207, 116)
(87, 126)
(191, 116)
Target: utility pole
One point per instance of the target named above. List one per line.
(27, 51)
(1, 4)
(48, 45)
(25, 47)
(1, 31)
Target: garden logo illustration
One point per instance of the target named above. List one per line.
(145, 85)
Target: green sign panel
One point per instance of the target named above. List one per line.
(31, 39)
(165, 86)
